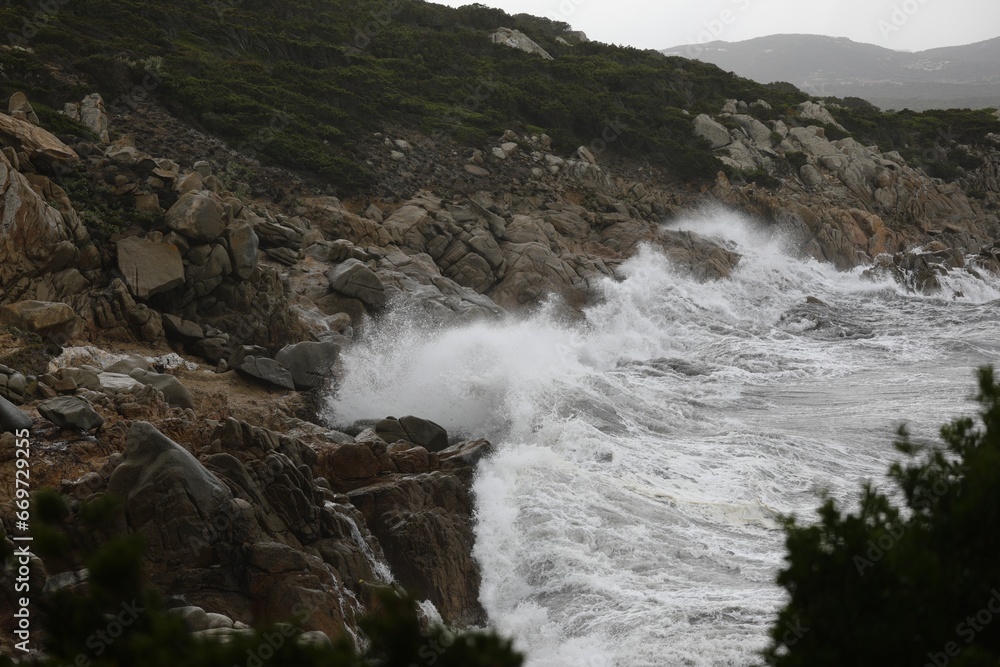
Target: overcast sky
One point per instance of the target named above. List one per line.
(909, 25)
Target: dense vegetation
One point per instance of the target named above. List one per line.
(115, 620)
(911, 581)
(302, 82)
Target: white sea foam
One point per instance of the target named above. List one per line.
(629, 517)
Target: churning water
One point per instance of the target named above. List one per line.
(629, 517)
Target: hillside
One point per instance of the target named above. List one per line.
(943, 78)
(206, 206)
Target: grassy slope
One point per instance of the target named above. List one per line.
(299, 82)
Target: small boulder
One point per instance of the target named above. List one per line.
(267, 370)
(353, 279)
(711, 131)
(198, 216)
(419, 431)
(173, 391)
(70, 412)
(308, 362)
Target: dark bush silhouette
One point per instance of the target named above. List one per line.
(912, 581)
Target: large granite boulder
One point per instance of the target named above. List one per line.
(266, 370)
(711, 131)
(198, 216)
(148, 267)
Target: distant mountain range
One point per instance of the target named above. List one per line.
(949, 77)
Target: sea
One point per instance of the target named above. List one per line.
(647, 452)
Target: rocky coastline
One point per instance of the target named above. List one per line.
(180, 361)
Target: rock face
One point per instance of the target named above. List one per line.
(516, 39)
(91, 114)
(424, 526)
(70, 412)
(149, 268)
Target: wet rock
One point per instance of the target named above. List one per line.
(424, 524)
(413, 429)
(70, 412)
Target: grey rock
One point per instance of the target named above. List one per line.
(169, 496)
(308, 362)
(41, 317)
(128, 364)
(353, 279)
(267, 370)
(13, 418)
(173, 391)
(198, 216)
(243, 246)
(181, 329)
(70, 412)
(419, 431)
(711, 131)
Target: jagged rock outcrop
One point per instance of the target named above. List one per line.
(424, 525)
(516, 39)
